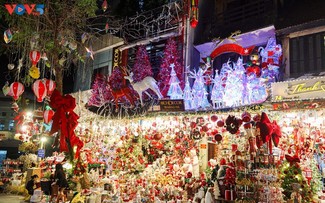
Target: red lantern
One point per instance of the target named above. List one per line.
(16, 89)
(34, 56)
(39, 90)
(47, 115)
(50, 86)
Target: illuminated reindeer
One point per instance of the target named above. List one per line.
(123, 91)
(141, 86)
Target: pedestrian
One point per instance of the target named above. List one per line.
(31, 184)
(61, 181)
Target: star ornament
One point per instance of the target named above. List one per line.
(172, 65)
(246, 51)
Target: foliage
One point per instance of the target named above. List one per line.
(56, 32)
(28, 147)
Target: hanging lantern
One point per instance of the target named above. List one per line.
(308, 173)
(50, 86)
(39, 90)
(7, 36)
(34, 56)
(47, 115)
(104, 5)
(16, 89)
(194, 13)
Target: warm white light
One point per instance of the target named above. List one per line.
(29, 114)
(43, 139)
(24, 128)
(67, 166)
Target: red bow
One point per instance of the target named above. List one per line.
(269, 130)
(66, 120)
(292, 159)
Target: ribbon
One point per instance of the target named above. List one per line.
(292, 159)
(65, 120)
(269, 131)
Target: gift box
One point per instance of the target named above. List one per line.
(230, 195)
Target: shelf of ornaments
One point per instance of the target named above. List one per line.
(11, 166)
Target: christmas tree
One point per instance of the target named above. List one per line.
(217, 92)
(171, 56)
(142, 67)
(198, 89)
(188, 96)
(175, 91)
(316, 180)
(100, 94)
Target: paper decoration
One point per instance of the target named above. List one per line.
(50, 86)
(7, 36)
(34, 56)
(16, 89)
(47, 116)
(39, 90)
(34, 72)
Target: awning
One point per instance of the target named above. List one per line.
(253, 38)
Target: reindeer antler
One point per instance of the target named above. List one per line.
(125, 71)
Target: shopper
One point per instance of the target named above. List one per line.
(31, 184)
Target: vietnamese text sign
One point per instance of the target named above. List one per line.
(172, 105)
(41, 153)
(298, 89)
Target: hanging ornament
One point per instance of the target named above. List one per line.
(47, 115)
(90, 52)
(104, 5)
(7, 36)
(11, 66)
(39, 90)
(50, 86)
(16, 89)
(44, 57)
(6, 89)
(34, 56)
(106, 27)
(195, 13)
(15, 107)
(84, 37)
(34, 72)
(73, 45)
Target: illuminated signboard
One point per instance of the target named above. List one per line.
(298, 89)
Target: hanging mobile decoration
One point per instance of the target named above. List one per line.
(47, 115)
(106, 27)
(50, 86)
(7, 36)
(39, 90)
(34, 57)
(16, 89)
(195, 13)
(104, 5)
(11, 66)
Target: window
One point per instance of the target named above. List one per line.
(11, 125)
(307, 54)
(4, 114)
(2, 125)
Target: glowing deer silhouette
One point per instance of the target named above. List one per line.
(141, 86)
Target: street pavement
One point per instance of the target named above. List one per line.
(9, 198)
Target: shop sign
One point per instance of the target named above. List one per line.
(41, 153)
(30, 9)
(298, 90)
(172, 105)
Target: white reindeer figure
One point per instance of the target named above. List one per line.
(141, 86)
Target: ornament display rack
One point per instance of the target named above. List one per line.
(11, 166)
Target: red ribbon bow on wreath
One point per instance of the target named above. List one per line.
(292, 159)
(269, 131)
(65, 120)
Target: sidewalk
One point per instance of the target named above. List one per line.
(9, 198)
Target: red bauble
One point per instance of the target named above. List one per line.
(193, 125)
(205, 128)
(246, 117)
(253, 69)
(220, 123)
(214, 118)
(257, 118)
(189, 175)
(157, 136)
(194, 22)
(218, 137)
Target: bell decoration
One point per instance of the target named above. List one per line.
(50, 86)
(47, 115)
(16, 89)
(39, 90)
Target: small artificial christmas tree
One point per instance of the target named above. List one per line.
(175, 91)
(216, 190)
(100, 93)
(316, 183)
(217, 92)
(142, 67)
(188, 96)
(198, 89)
(171, 56)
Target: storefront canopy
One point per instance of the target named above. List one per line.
(254, 38)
